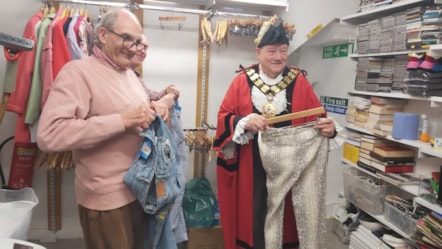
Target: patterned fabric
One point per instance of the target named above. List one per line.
(295, 160)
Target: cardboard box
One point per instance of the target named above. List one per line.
(205, 238)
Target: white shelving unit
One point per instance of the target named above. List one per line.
(424, 149)
(355, 56)
(435, 101)
(365, 16)
(412, 189)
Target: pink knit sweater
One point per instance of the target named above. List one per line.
(82, 114)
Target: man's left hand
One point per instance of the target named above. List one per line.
(160, 108)
(173, 90)
(326, 127)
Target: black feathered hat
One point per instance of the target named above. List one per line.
(272, 32)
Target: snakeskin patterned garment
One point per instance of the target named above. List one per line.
(295, 159)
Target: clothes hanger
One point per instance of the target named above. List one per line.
(45, 11)
(300, 114)
(86, 14)
(52, 10)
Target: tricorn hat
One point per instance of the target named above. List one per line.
(272, 32)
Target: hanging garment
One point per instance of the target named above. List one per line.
(71, 37)
(177, 220)
(19, 97)
(34, 100)
(55, 54)
(153, 178)
(295, 159)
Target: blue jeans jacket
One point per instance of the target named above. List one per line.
(153, 178)
(176, 215)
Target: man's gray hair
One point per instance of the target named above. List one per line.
(108, 21)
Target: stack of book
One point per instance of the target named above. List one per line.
(400, 70)
(377, 154)
(431, 28)
(368, 143)
(393, 158)
(380, 115)
(428, 233)
(357, 110)
(414, 27)
(400, 33)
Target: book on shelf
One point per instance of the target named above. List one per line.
(364, 155)
(428, 231)
(364, 160)
(386, 126)
(375, 140)
(399, 179)
(386, 167)
(365, 151)
(393, 151)
(350, 152)
(381, 158)
(350, 118)
(390, 168)
(384, 109)
(366, 167)
(362, 116)
(351, 114)
(387, 101)
(373, 125)
(369, 145)
(392, 163)
(353, 141)
(381, 133)
(359, 124)
(379, 117)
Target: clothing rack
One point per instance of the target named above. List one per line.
(133, 5)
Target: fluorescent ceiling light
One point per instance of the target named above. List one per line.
(159, 2)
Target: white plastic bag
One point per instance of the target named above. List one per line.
(16, 212)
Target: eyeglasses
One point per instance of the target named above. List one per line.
(127, 43)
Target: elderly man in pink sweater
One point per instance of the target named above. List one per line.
(96, 109)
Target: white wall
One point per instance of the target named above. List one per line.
(331, 77)
(172, 59)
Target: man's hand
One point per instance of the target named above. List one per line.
(173, 90)
(168, 100)
(161, 108)
(326, 127)
(140, 117)
(256, 123)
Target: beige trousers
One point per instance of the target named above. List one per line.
(295, 159)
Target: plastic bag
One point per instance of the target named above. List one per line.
(199, 203)
(16, 212)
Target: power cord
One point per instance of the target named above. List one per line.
(2, 176)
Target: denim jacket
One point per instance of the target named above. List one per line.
(153, 176)
(154, 179)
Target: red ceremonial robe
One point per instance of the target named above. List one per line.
(241, 179)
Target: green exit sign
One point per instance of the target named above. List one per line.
(335, 51)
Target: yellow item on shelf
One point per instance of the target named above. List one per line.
(314, 31)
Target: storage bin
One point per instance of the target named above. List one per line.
(16, 212)
(400, 219)
(364, 191)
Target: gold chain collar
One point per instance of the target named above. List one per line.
(275, 89)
